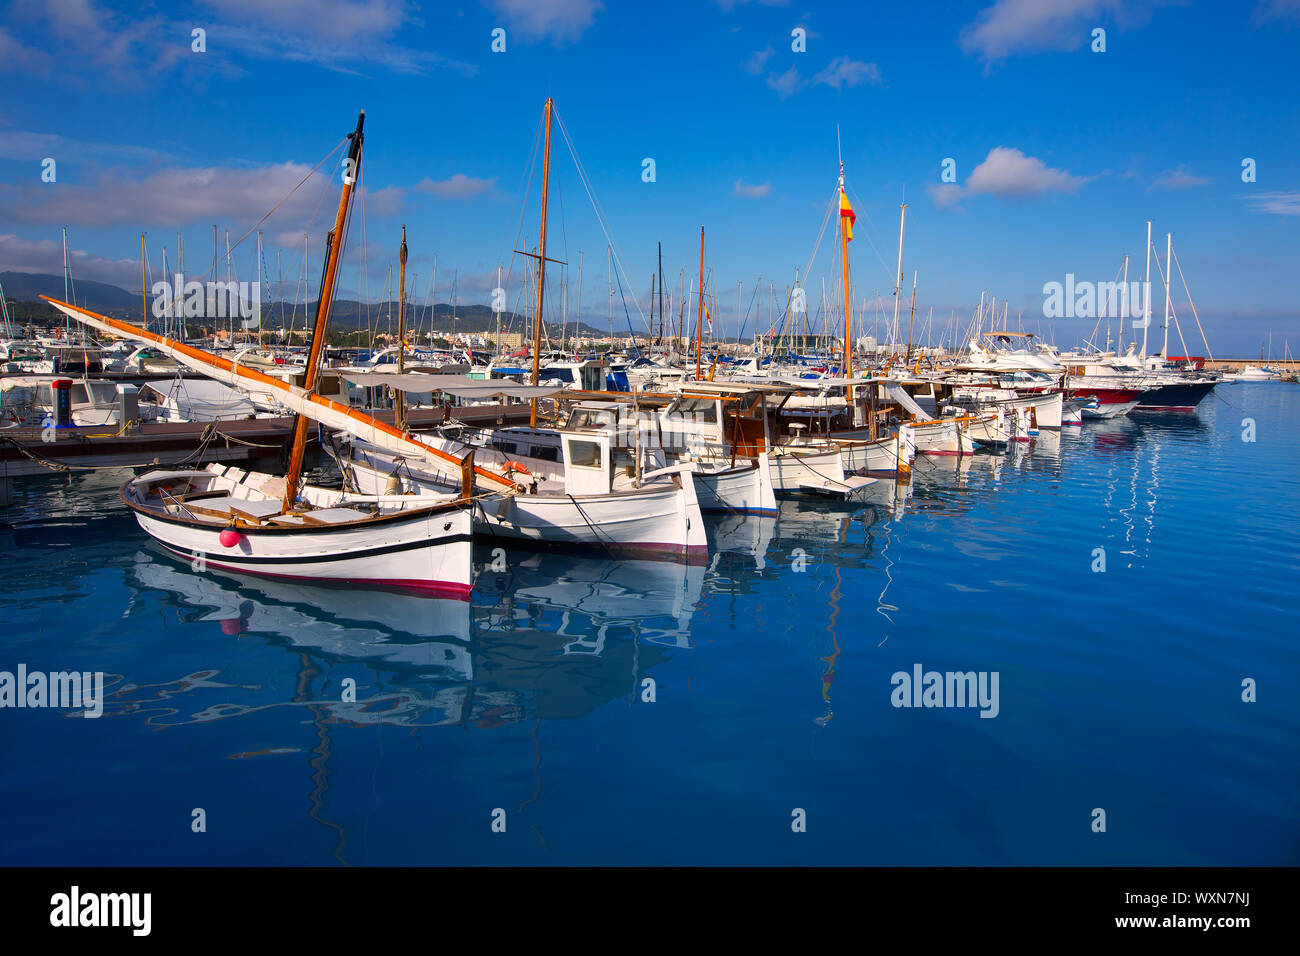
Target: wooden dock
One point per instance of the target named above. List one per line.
(25, 452)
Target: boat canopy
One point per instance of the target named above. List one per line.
(897, 394)
(462, 386)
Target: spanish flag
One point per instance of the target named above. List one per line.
(846, 213)
(708, 318)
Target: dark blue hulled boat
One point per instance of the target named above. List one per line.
(1175, 396)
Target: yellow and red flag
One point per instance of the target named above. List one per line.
(708, 318)
(846, 213)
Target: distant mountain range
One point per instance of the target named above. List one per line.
(23, 291)
(96, 296)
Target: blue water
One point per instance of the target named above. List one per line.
(1118, 689)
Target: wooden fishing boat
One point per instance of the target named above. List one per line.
(233, 520)
(274, 526)
(589, 493)
(583, 498)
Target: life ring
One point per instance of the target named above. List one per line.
(511, 466)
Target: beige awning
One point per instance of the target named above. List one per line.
(462, 386)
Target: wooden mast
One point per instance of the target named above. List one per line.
(848, 310)
(329, 278)
(912, 318)
(699, 314)
(399, 397)
(541, 265)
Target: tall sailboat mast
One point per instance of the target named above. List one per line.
(661, 294)
(257, 336)
(846, 233)
(1169, 262)
(699, 316)
(911, 319)
(1119, 343)
(1146, 295)
(399, 398)
(541, 265)
(898, 275)
(144, 288)
(329, 278)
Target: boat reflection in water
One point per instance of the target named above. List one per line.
(428, 635)
(547, 636)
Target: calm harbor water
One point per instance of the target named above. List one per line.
(770, 670)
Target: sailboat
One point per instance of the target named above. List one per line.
(275, 526)
(589, 492)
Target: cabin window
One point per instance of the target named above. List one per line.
(701, 409)
(589, 418)
(585, 454)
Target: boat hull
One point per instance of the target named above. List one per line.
(744, 489)
(660, 522)
(1176, 397)
(429, 552)
(791, 468)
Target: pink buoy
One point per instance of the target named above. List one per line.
(229, 538)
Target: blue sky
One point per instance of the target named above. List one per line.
(1061, 153)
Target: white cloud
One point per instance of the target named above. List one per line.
(845, 71)
(177, 196)
(1009, 27)
(45, 256)
(14, 55)
(787, 83)
(750, 191)
(729, 5)
(1180, 178)
(341, 35)
(337, 20)
(118, 46)
(33, 146)
(458, 186)
(754, 65)
(1009, 173)
(840, 72)
(945, 194)
(560, 21)
(1277, 203)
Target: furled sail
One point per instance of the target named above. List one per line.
(315, 407)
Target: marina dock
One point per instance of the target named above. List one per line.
(24, 452)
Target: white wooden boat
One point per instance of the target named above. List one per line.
(584, 500)
(233, 520)
(260, 524)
